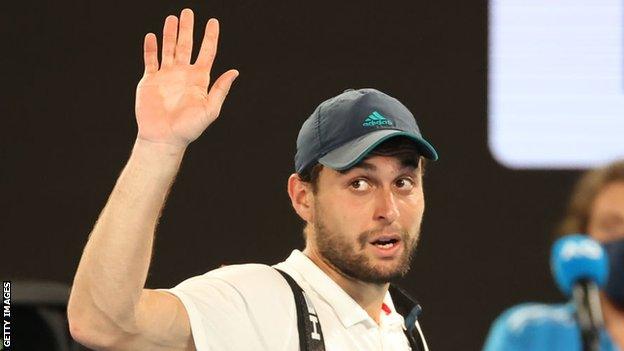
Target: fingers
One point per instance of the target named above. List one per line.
(170, 34)
(184, 48)
(177, 48)
(219, 91)
(150, 53)
(208, 49)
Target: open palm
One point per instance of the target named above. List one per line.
(173, 104)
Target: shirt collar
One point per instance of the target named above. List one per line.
(348, 311)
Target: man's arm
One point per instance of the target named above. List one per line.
(109, 307)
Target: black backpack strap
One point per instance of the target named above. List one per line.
(310, 333)
(409, 308)
(309, 326)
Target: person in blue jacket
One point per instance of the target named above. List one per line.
(596, 207)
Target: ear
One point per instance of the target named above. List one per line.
(301, 197)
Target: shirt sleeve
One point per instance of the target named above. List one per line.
(535, 327)
(242, 307)
(500, 337)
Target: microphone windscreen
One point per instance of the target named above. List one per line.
(578, 257)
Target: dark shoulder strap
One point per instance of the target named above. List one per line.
(309, 326)
(310, 333)
(409, 308)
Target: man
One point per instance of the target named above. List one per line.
(358, 187)
(596, 208)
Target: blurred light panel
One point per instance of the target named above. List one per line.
(556, 83)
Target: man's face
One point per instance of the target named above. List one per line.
(367, 220)
(606, 218)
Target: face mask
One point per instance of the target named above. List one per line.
(615, 284)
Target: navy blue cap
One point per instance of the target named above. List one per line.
(344, 129)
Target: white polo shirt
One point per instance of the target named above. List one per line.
(251, 307)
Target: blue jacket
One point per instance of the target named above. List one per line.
(539, 327)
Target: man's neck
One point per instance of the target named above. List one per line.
(368, 295)
(614, 321)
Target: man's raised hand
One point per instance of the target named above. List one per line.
(173, 104)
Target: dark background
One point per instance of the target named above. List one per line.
(69, 74)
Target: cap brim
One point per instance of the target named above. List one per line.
(349, 154)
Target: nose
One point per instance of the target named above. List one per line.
(386, 207)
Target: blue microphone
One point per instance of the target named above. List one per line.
(580, 267)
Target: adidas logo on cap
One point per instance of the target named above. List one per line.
(376, 119)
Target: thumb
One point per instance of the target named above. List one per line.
(219, 90)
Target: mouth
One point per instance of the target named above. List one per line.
(386, 245)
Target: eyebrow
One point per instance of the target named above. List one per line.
(371, 167)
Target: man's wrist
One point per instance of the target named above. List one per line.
(160, 158)
(158, 149)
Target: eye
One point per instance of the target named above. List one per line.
(404, 184)
(360, 185)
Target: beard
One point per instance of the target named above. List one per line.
(351, 259)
